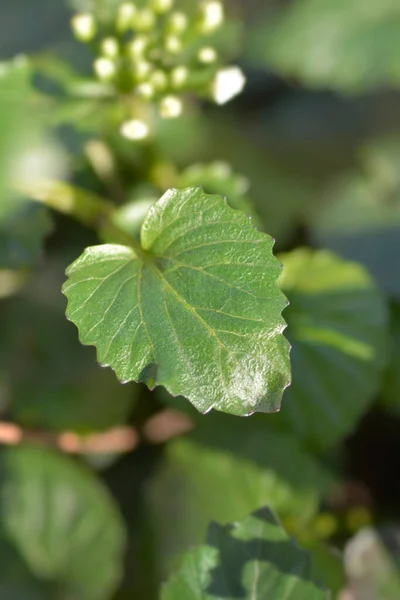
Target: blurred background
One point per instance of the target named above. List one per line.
(311, 149)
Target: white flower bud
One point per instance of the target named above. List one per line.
(142, 69)
(177, 22)
(173, 44)
(145, 90)
(137, 46)
(125, 14)
(105, 69)
(134, 130)
(144, 20)
(179, 76)
(161, 6)
(227, 83)
(211, 16)
(84, 27)
(207, 55)
(170, 107)
(110, 47)
(159, 80)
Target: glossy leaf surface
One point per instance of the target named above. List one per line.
(197, 309)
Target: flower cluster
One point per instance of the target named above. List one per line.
(158, 53)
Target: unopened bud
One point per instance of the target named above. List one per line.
(173, 44)
(207, 55)
(170, 107)
(227, 83)
(134, 130)
(161, 6)
(145, 90)
(144, 20)
(177, 22)
(84, 27)
(110, 47)
(125, 14)
(179, 76)
(137, 46)
(105, 69)
(211, 15)
(142, 70)
(159, 80)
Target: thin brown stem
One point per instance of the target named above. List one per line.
(160, 428)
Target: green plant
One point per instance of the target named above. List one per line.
(117, 181)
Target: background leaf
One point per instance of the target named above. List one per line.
(199, 312)
(338, 327)
(218, 178)
(333, 43)
(360, 219)
(63, 522)
(253, 558)
(225, 469)
(51, 381)
(391, 383)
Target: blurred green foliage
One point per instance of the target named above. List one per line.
(311, 151)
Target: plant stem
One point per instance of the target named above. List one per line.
(87, 208)
(160, 428)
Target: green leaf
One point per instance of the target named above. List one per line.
(16, 582)
(361, 218)
(391, 384)
(196, 309)
(22, 231)
(337, 323)
(63, 523)
(52, 381)
(348, 46)
(23, 225)
(218, 177)
(250, 559)
(225, 469)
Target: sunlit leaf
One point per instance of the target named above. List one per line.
(196, 309)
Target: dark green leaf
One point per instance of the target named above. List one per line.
(52, 381)
(63, 523)
(22, 231)
(196, 310)
(252, 559)
(391, 383)
(16, 582)
(338, 328)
